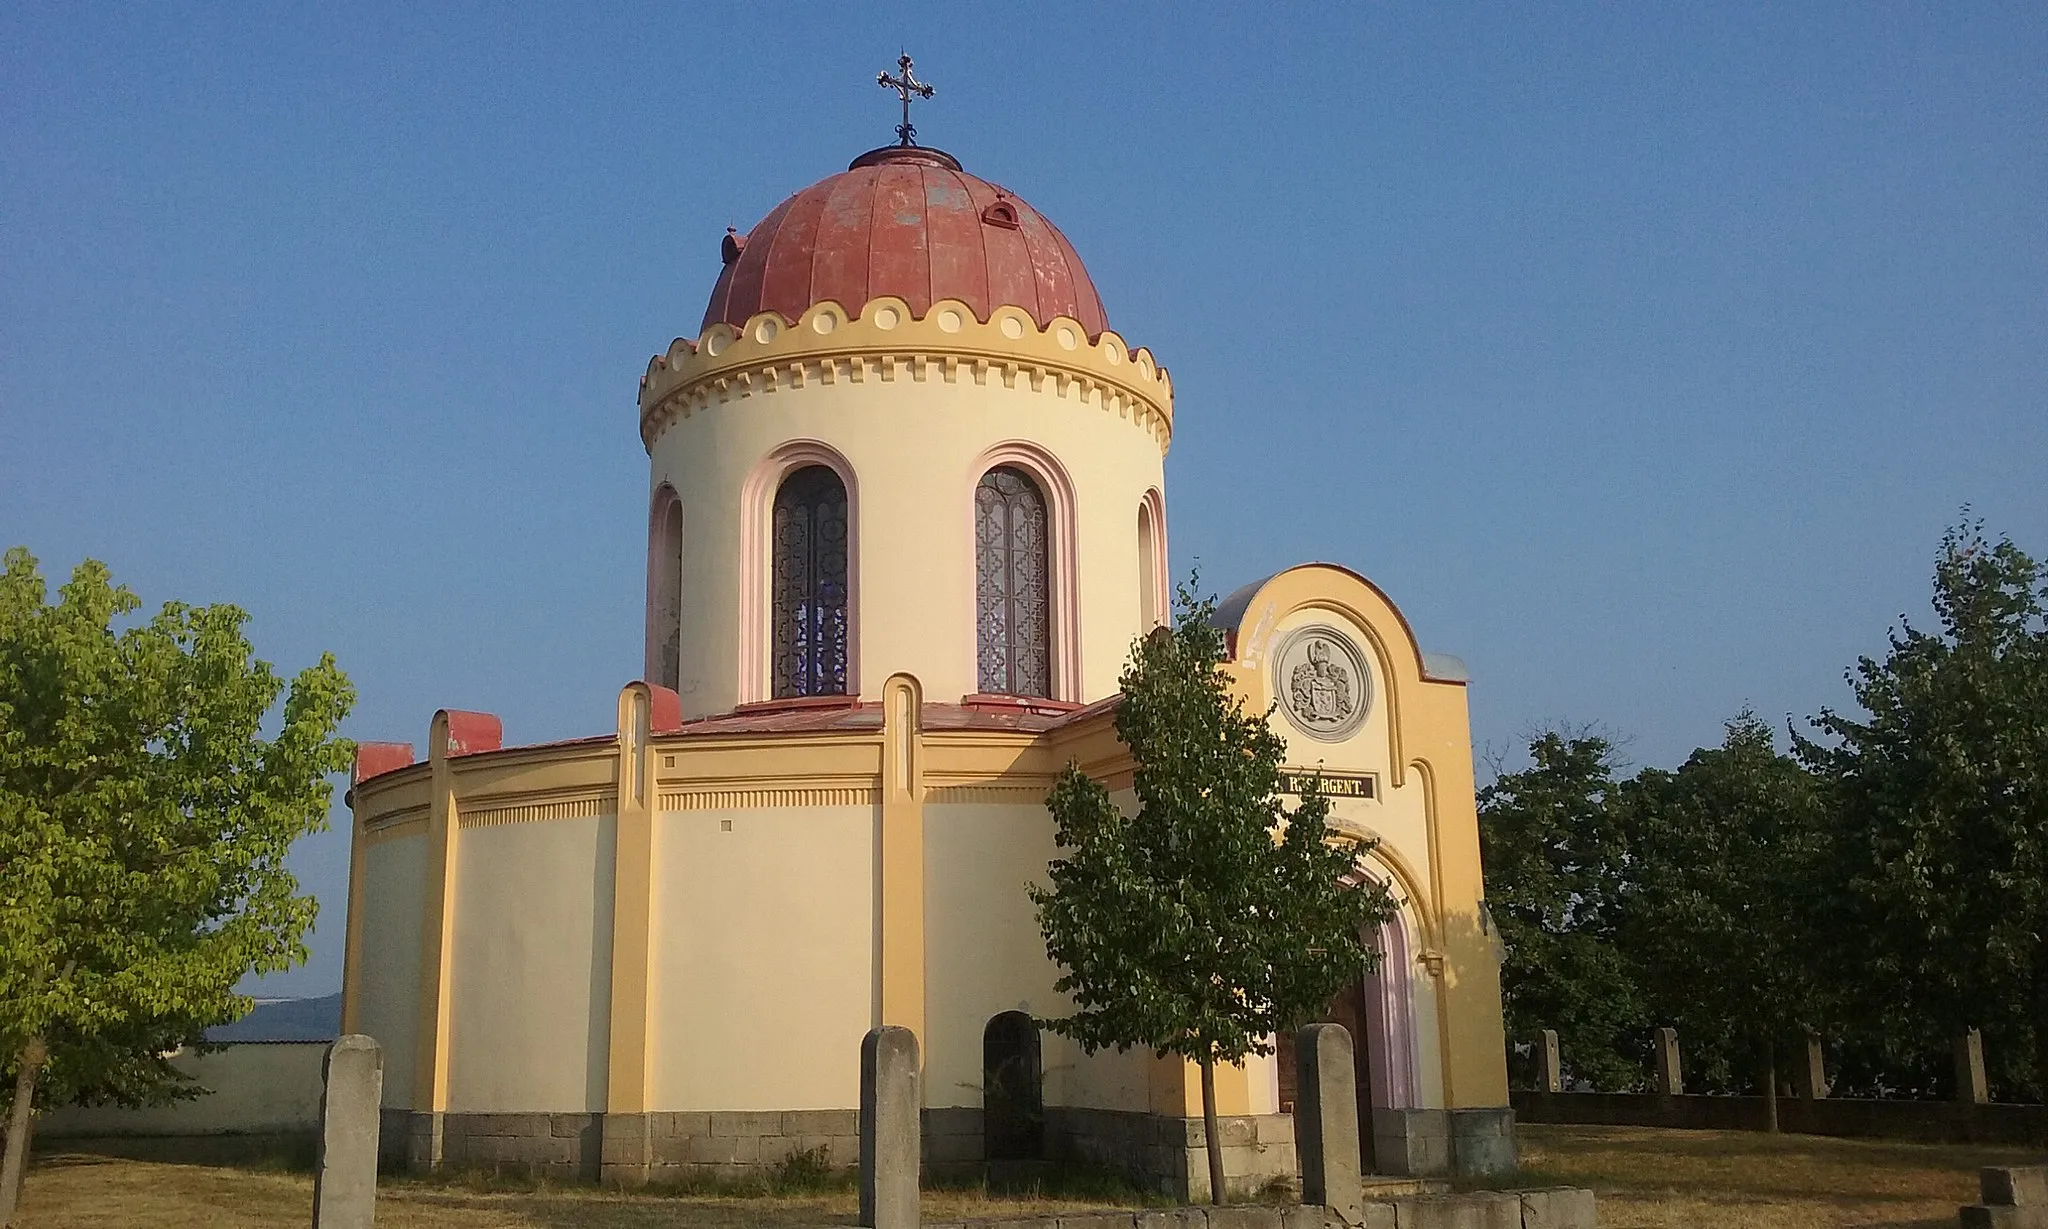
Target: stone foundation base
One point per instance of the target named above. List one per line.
(1427, 1143)
(733, 1145)
(1160, 1153)
(1170, 1155)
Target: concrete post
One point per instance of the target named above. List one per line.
(1549, 1071)
(1670, 1076)
(345, 1178)
(1326, 1120)
(1971, 1086)
(890, 1103)
(1811, 1075)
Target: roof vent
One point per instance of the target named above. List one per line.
(734, 243)
(1002, 214)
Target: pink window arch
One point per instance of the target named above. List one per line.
(757, 509)
(1154, 605)
(1063, 620)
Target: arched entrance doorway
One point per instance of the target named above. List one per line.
(1376, 1010)
(1349, 1010)
(1012, 1096)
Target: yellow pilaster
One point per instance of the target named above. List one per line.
(352, 936)
(437, 927)
(626, 1089)
(900, 962)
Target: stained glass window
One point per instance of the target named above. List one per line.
(809, 595)
(1013, 589)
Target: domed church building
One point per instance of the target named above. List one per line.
(906, 512)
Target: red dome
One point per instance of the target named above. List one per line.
(905, 221)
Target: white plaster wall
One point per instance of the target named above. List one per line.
(983, 951)
(763, 977)
(530, 983)
(256, 1087)
(394, 894)
(1105, 1080)
(912, 446)
(1429, 1045)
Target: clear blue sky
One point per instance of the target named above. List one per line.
(1640, 352)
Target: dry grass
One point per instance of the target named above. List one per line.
(1726, 1179)
(67, 1190)
(1689, 1179)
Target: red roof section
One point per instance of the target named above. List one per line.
(905, 221)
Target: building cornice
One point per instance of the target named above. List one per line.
(885, 342)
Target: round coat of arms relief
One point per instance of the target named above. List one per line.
(1320, 680)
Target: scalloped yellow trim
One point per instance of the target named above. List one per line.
(885, 342)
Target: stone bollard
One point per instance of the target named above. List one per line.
(1810, 1078)
(890, 1103)
(1549, 1071)
(2013, 1198)
(345, 1178)
(1971, 1086)
(1670, 1076)
(1326, 1120)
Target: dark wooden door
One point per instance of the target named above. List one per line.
(1347, 1009)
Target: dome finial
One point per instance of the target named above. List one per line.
(905, 84)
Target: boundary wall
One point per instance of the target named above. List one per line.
(1943, 1122)
(256, 1088)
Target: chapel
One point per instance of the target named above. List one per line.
(906, 513)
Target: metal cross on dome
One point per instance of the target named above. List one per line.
(905, 84)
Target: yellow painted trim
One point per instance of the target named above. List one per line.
(629, 1069)
(827, 345)
(437, 928)
(993, 793)
(536, 812)
(415, 826)
(405, 818)
(757, 798)
(900, 892)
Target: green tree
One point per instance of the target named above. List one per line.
(1727, 854)
(1214, 918)
(144, 820)
(1554, 851)
(1941, 794)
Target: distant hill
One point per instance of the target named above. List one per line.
(285, 1020)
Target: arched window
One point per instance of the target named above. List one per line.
(808, 596)
(668, 598)
(1013, 588)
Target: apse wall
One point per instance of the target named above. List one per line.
(762, 978)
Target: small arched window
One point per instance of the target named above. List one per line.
(668, 597)
(809, 586)
(1013, 585)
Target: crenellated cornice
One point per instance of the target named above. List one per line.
(885, 343)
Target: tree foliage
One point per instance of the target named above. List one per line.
(144, 821)
(1213, 918)
(1885, 885)
(1940, 792)
(1723, 904)
(1555, 858)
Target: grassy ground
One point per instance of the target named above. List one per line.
(1644, 1177)
(73, 1190)
(1729, 1179)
